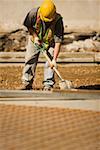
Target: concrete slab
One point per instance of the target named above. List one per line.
(77, 99)
(93, 105)
(73, 94)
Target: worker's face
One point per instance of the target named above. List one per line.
(52, 20)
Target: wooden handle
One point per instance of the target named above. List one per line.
(50, 62)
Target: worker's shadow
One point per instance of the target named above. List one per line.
(90, 87)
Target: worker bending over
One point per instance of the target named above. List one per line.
(45, 26)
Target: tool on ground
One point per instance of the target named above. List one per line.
(63, 84)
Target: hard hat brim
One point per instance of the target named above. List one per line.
(44, 18)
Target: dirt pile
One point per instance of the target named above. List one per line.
(82, 41)
(13, 41)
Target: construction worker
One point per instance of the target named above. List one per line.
(45, 25)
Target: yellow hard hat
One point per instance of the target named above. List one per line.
(47, 11)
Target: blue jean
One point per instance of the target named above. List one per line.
(31, 60)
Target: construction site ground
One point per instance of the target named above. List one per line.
(39, 120)
(82, 76)
(51, 120)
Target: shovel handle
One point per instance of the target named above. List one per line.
(57, 72)
(50, 62)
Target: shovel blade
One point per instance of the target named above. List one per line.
(65, 84)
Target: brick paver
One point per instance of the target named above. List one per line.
(41, 128)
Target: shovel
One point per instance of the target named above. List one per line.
(63, 84)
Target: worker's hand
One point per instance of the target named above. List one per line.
(35, 40)
(53, 64)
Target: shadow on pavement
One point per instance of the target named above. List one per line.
(90, 87)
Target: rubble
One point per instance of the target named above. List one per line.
(13, 41)
(87, 45)
(73, 41)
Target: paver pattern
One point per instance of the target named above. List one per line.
(42, 128)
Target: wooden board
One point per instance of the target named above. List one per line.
(64, 57)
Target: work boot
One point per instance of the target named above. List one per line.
(24, 87)
(47, 88)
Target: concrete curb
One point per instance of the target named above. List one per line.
(52, 95)
(74, 99)
(92, 105)
(64, 57)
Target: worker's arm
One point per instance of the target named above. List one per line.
(34, 37)
(32, 32)
(56, 50)
(56, 53)
(29, 22)
(58, 37)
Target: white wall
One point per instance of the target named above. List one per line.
(76, 13)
